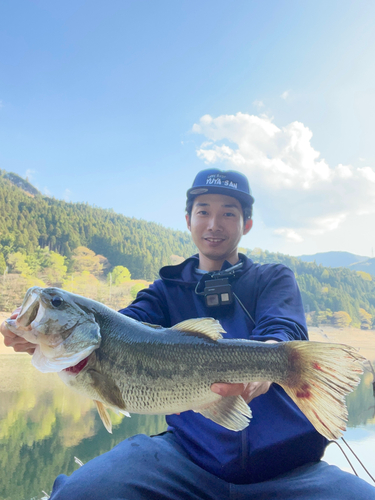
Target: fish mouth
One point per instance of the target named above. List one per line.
(29, 310)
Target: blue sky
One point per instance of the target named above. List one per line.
(120, 104)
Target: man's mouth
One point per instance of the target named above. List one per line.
(214, 240)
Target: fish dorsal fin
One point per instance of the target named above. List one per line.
(104, 415)
(157, 327)
(209, 327)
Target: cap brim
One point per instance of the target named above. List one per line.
(245, 198)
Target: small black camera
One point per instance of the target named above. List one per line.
(216, 288)
(218, 293)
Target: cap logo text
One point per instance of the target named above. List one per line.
(219, 182)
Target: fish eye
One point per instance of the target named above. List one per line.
(56, 301)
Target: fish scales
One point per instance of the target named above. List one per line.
(158, 374)
(134, 367)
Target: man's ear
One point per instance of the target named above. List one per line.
(187, 217)
(248, 226)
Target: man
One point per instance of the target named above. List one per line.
(278, 454)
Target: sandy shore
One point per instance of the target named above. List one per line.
(364, 340)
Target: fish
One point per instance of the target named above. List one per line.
(133, 367)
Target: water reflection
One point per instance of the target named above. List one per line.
(44, 425)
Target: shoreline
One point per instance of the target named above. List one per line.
(363, 340)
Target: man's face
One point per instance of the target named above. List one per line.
(216, 226)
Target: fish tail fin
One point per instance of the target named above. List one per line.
(321, 375)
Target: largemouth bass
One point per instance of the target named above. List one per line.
(133, 367)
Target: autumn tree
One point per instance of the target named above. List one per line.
(366, 319)
(341, 319)
(84, 259)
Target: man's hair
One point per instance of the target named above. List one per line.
(246, 209)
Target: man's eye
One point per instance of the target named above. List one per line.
(229, 214)
(202, 212)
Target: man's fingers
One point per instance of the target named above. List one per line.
(255, 389)
(15, 313)
(247, 391)
(228, 389)
(19, 344)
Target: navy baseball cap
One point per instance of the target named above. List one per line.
(229, 182)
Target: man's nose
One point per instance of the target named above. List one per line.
(214, 223)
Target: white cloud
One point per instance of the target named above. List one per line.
(258, 104)
(285, 95)
(289, 234)
(297, 193)
(368, 173)
(47, 192)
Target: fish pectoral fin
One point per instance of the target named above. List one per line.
(231, 412)
(126, 413)
(208, 327)
(103, 414)
(107, 389)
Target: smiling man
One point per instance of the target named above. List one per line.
(216, 224)
(279, 454)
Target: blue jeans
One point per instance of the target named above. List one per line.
(157, 468)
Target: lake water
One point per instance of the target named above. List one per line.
(44, 426)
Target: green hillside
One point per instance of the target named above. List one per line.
(29, 221)
(328, 291)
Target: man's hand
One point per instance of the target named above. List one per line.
(11, 340)
(247, 391)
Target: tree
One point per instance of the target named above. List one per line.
(3, 264)
(85, 259)
(17, 262)
(366, 319)
(365, 276)
(120, 275)
(341, 319)
(54, 271)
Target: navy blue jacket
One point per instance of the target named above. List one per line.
(279, 437)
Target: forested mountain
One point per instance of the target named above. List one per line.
(29, 220)
(329, 292)
(108, 257)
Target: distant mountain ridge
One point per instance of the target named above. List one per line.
(342, 259)
(334, 259)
